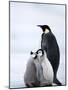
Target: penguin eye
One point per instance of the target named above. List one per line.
(39, 53)
(46, 31)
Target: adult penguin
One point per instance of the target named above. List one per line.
(50, 45)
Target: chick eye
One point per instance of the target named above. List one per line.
(40, 53)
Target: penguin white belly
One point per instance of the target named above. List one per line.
(47, 72)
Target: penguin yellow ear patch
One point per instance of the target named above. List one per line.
(46, 31)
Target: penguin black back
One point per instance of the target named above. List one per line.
(50, 45)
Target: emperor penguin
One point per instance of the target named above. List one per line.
(30, 76)
(45, 72)
(39, 71)
(50, 45)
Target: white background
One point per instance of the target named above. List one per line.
(4, 38)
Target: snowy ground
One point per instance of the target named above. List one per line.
(18, 65)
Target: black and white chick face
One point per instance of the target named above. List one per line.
(38, 55)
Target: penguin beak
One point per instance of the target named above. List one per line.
(41, 27)
(38, 25)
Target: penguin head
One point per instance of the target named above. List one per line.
(33, 54)
(38, 54)
(45, 28)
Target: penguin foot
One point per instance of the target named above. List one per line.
(57, 82)
(28, 86)
(35, 84)
(48, 85)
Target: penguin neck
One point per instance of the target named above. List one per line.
(44, 57)
(46, 31)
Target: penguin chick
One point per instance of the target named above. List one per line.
(30, 78)
(47, 74)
